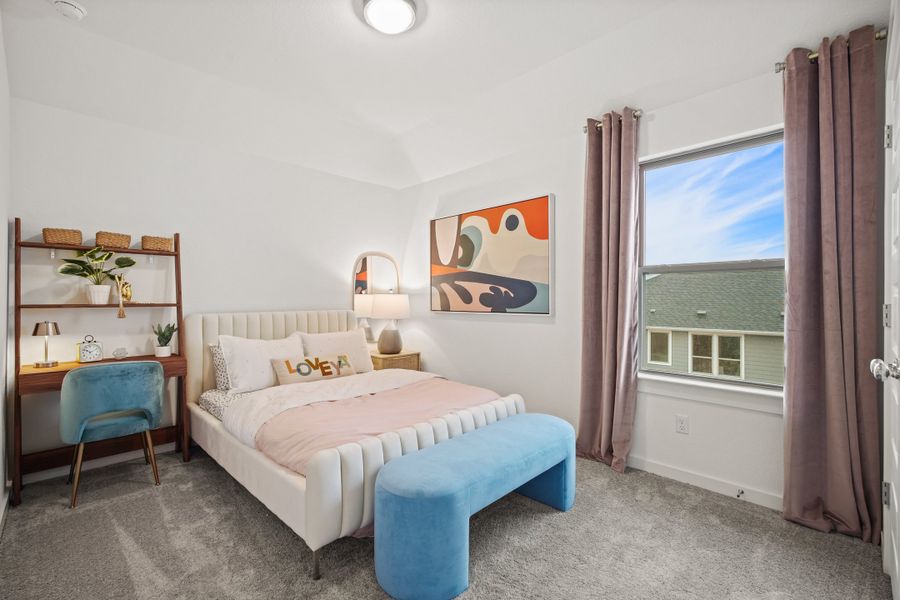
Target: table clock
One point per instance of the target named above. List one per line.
(90, 350)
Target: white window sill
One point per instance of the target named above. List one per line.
(745, 397)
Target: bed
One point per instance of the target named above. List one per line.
(335, 497)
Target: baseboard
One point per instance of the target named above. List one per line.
(713, 484)
(94, 464)
(59, 457)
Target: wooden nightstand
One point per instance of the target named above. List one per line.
(404, 360)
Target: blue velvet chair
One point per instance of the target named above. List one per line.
(107, 401)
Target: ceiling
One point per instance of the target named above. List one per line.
(306, 82)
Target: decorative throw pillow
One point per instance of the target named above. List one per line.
(351, 343)
(311, 368)
(248, 361)
(219, 367)
(216, 401)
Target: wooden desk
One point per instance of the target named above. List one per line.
(32, 380)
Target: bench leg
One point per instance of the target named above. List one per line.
(316, 574)
(422, 546)
(554, 487)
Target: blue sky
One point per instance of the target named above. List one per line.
(724, 207)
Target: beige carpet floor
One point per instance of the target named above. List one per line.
(201, 535)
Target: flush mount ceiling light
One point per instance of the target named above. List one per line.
(70, 9)
(390, 16)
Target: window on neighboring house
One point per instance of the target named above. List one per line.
(712, 269)
(728, 355)
(702, 354)
(659, 344)
(717, 355)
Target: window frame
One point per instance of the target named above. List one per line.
(711, 357)
(714, 359)
(688, 155)
(742, 360)
(668, 332)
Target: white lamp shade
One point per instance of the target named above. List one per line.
(362, 305)
(390, 306)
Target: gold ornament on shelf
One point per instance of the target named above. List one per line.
(125, 293)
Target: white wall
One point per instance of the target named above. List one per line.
(4, 232)
(256, 234)
(736, 436)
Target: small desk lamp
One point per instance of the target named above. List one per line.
(46, 329)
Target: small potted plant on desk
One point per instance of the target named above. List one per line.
(164, 336)
(91, 265)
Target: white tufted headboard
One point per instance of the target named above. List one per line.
(204, 329)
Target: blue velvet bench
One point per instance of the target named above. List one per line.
(423, 501)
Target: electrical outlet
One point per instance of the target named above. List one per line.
(682, 424)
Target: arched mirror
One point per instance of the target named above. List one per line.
(376, 273)
(373, 273)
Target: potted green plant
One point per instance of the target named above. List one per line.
(91, 265)
(163, 337)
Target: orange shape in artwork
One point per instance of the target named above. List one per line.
(535, 212)
(442, 270)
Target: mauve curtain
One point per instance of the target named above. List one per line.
(832, 182)
(610, 335)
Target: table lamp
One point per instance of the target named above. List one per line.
(46, 329)
(362, 306)
(393, 307)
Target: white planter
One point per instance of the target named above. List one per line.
(98, 294)
(162, 351)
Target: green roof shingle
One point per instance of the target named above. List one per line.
(749, 300)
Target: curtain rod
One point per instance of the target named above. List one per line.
(881, 34)
(637, 115)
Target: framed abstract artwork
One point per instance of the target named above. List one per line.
(494, 260)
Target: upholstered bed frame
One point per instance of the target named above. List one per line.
(336, 497)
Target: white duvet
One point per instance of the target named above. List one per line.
(249, 411)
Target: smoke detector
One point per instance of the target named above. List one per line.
(70, 9)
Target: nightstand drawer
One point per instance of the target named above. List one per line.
(404, 360)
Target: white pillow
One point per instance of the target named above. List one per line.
(249, 362)
(352, 343)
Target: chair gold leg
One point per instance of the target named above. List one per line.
(153, 466)
(79, 456)
(72, 466)
(144, 444)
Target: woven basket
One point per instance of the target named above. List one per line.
(113, 240)
(62, 236)
(149, 242)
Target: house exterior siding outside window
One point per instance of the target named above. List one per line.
(722, 324)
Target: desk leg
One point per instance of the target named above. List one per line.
(17, 452)
(185, 431)
(179, 416)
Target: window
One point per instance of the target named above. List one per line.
(702, 354)
(717, 355)
(659, 344)
(712, 269)
(728, 355)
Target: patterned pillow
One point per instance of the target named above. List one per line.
(219, 366)
(311, 368)
(215, 402)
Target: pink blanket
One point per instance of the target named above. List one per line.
(292, 437)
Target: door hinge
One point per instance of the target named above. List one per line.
(886, 493)
(888, 136)
(886, 315)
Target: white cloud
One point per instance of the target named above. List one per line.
(716, 209)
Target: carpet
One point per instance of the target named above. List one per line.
(201, 535)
